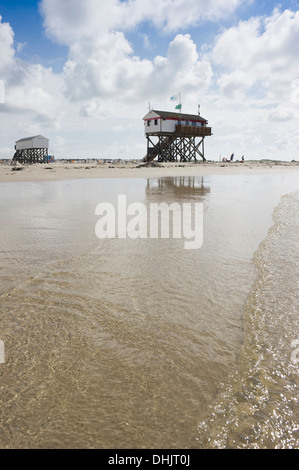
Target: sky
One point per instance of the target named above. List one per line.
(84, 73)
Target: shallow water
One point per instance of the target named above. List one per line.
(123, 343)
(257, 407)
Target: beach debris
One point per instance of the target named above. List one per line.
(150, 164)
(15, 163)
(16, 166)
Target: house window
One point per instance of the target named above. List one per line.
(148, 123)
(156, 122)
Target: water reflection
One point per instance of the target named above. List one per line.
(179, 187)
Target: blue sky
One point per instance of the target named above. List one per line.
(27, 24)
(82, 73)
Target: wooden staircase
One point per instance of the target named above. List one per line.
(160, 148)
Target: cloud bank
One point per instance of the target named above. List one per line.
(246, 79)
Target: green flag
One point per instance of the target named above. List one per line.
(179, 106)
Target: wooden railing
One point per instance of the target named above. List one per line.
(193, 131)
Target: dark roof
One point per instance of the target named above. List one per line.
(30, 138)
(182, 116)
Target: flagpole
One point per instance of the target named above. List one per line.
(180, 102)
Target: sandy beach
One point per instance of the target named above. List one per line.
(63, 171)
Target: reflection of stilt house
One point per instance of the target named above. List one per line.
(179, 186)
(172, 136)
(32, 150)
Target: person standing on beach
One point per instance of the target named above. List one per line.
(232, 157)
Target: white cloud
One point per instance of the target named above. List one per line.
(66, 20)
(35, 91)
(182, 69)
(179, 14)
(6, 46)
(102, 68)
(246, 82)
(101, 62)
(234, 85)
(33, 98)
(260, 51)
(255, 103)
(281, 114)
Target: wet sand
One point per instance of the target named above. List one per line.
(139, 343)
(63, 171)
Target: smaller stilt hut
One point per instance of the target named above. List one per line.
(32, 150)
